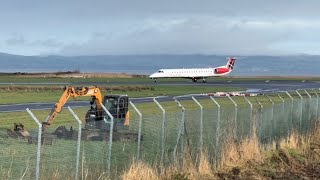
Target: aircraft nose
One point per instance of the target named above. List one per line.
(152, 75)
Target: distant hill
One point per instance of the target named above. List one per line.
(303, 65)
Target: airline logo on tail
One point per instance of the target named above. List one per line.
(223, 70)
(230, 63)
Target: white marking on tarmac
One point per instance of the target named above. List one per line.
(149, 97)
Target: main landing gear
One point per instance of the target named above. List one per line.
(195, 80)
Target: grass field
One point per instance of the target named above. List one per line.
(24, 94)
(58, 161)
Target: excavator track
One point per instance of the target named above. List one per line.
(95, 135)
(46, 139)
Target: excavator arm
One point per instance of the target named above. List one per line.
(73, 92)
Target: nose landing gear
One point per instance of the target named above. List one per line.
(194, 79)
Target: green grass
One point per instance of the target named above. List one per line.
(6, 119)
(32, 94)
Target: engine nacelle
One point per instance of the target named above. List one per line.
(221, 70)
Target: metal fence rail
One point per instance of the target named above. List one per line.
(166, 130)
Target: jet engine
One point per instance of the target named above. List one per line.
(221, 70)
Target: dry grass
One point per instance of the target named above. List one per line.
(298, 157)
(184, 171)
(248, 149)
(140, 171)
(204, 167)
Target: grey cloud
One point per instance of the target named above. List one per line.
(17, 40)
(46, 43)
(144, 26)
(101, 9)
(22, 41)
(187, 35)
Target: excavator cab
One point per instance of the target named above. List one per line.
(117, 105)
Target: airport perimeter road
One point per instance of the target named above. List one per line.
(251, 86)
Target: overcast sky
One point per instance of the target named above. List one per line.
(100, 27)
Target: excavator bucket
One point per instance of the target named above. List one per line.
(98, 135)
(18, 131)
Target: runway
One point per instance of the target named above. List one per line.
(248, 84)
(276, 85)
(252, 86)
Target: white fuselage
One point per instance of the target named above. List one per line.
(186, 73)
(195, 73)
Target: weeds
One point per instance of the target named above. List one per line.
(298, 157)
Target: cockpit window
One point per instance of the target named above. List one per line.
(160, 71)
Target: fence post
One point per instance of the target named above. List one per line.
(162, 128)
(201, 121)
(251, 113)
(291, 111)
(218, 130)
(317, 103)
(309, 116)
(110, 136)
(181, 130)
(235, 116)
(283, 113)
(260, 122)
(272, 122)
(39, 143)
(282, 104)
(139, 128)
(301, 110)
(78, 141)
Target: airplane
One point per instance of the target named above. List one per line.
(195, 73)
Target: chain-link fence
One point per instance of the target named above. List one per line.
(162, 129)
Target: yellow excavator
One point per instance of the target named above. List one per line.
(96, 120)
(117, 105)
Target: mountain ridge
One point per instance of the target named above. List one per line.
(146, 64)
